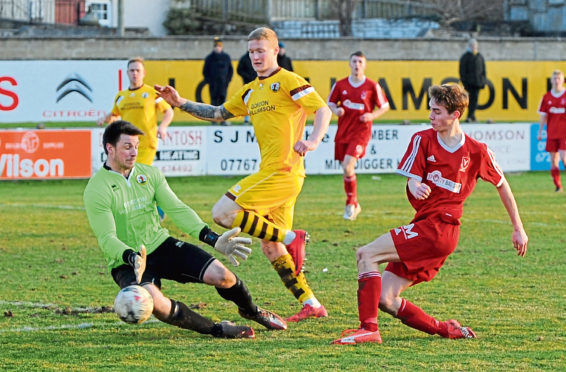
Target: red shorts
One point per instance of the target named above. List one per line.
(357, 149)
(555, 144)
(423, 246)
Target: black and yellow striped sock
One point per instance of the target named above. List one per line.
(258, 226)
(297, 284)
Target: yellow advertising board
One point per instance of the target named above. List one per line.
(513, 91)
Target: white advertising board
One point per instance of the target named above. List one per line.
(182, 153)
(234, 150)
(59, 90)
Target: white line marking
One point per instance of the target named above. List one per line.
(71, 326)
(47, 206)
(48, 306)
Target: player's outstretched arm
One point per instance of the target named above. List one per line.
(519, 236)
(199, 110)
(320, 126)
(228, 243)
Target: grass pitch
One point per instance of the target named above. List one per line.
(56, 292)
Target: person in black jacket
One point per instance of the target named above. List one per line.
(218, 73)
(283, 59)
(246, 71)
(472, 75)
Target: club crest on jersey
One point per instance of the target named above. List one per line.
(145, 94)
(465, 163)
(364, 95)
(275, 87)
(141, 178)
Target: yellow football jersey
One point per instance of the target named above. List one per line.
(278, 106)
(140, 107)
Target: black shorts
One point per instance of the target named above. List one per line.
(173, 260)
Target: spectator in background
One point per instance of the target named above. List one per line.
(283, 59)
(218, 73)
(552, 111)
(472, 75)
(247, 72)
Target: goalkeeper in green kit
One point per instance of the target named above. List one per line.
(120, 201)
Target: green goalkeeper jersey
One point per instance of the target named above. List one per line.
(122, 211)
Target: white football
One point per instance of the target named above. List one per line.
(133, 304)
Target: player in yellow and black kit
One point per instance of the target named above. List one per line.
(139, 104)
(262, 204)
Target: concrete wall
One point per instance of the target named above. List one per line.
(182, 48)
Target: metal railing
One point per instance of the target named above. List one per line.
(238, 11)
(265, 11)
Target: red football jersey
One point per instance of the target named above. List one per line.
(555, 110)
(356, 100)
(451, 173)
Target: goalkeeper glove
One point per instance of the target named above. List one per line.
(137, 261)
(227, 243)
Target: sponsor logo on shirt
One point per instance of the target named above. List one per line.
(436, 178)
(344, 92)
(353, 106)
(431, 158)
(557, 110)
(141, 178)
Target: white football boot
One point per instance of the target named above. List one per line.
(351, 211)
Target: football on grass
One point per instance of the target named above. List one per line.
(133, 304)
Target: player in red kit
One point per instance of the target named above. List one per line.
(442, 165)
(552, 111)
(357, 101)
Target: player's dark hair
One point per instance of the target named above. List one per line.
(113, 131)
(452, 96)
(358, 54)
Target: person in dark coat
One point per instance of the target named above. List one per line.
(472, 75)
(245, 69)
(283, 59)
(218, 73)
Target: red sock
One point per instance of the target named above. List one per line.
(351, 188)
(555, 172)
(369, 290)
(415, 317)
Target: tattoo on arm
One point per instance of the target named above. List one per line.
(206, 112)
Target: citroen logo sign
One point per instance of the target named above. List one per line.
(74, 83)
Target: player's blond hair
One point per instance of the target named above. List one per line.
(451, 96)
(264, 33)
(136, 59)
(557, 72)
